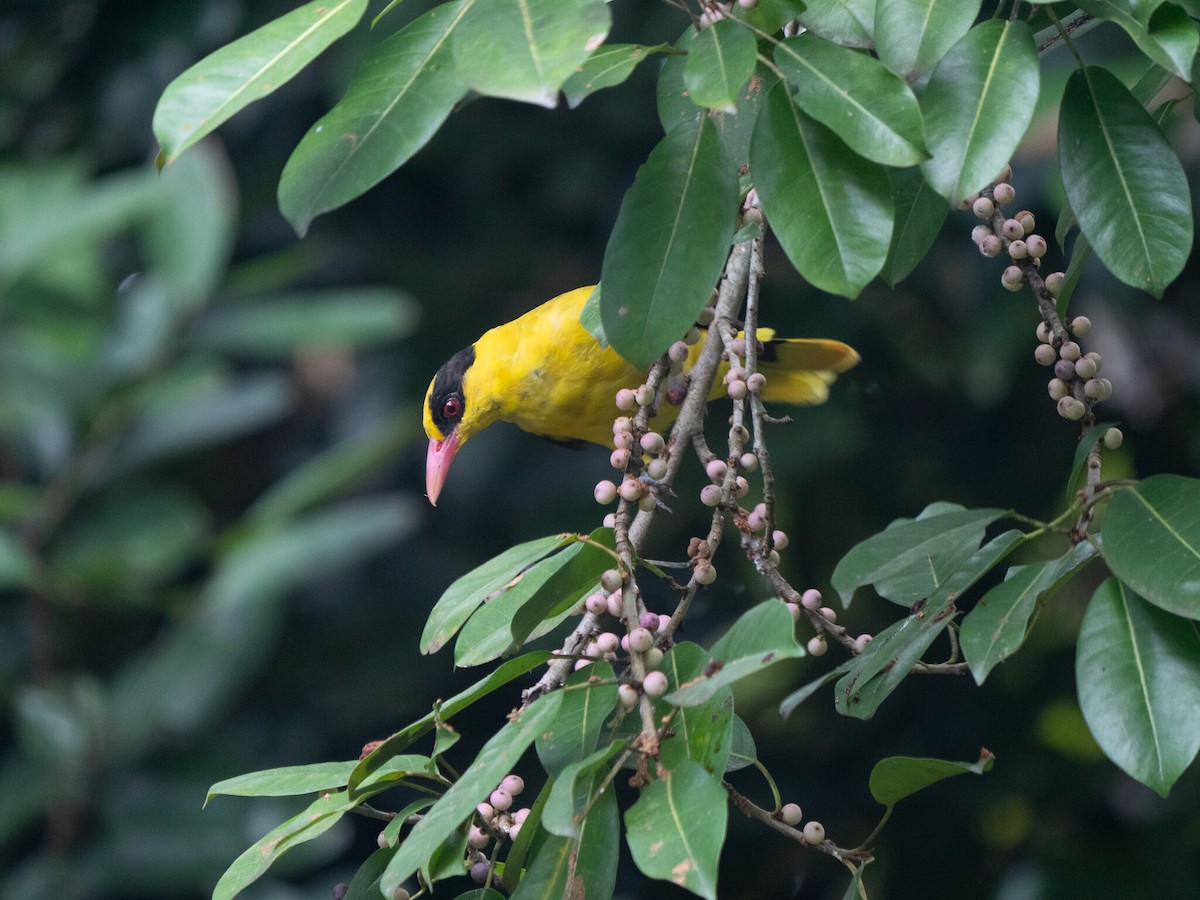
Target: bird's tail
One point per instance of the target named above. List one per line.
(800, 370)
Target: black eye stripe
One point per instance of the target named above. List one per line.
(447, 386)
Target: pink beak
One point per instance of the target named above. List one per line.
(437, 465)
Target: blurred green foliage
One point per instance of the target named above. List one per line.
(212, 554)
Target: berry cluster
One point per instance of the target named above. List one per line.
(495, 820)
(790, 814)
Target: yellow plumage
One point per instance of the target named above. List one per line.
(545, 373)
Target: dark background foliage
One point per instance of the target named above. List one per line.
(508, 206)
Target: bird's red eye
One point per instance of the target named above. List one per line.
(452, 408)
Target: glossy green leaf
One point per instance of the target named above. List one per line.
(221, 84)
(872, 110)
(676, 828)
(1124, 182)
(607, 67)
(898, 777)
(16, 565)
(669, 243)
(719, 62)
(583, 866)
(830, 209)
(742, 752)
(585, 708)
(761, 637)
(402, 92)
(850, 23)
(380, 757)
(573, 790)
(274, 328)
(287, 781)
(997, 626)
(1137, 670)
(912, 36)
(920, 212)
(321, 815)
(525, 49)
(702, 733)
(495, 760)
(1152, 541)
(789, 703)
(465, 595)
(365, 883)
(977, 106)
(767, 16)
(1168, 35)
(904, 556)
(566, 587)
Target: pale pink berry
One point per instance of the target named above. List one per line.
(654, 684)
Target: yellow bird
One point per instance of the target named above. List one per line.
(545, 373)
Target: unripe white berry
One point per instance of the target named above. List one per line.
(1012, 278)
(627, 695)
(1004, 192)
(735, 373)
(716, 469)
(779, 539)
(791, 814)
(401, 894)
(609, 520)
(755, 381)
(1064, 369)
(860, 642)
(1085, 368)
(652, 442)
(626, 400)
(643, 395)
(1026, 220)
(1043, 333)
(756, 522)
(654, 684)
(619, 458)
(692, 336)
(1012, 229)
(1072, 409)
(1057, 388)
(623, 440)
(486, 811)
(622, 424)
(1113, 438)
(748, 462)
(1069, 351)
(741, 487)
(979, 232)
(653, 659)
(737, 390)
(514, 784)
(663, 621)
(705, 572)
(640, 640)
(1036, 245)
(1005, 174)
(828, 613)
(1054, 283)
(1045, 354)
(990, 246)
(811, 599)
(1094, 357)
(816, 646)
(657, 469)
(739, 433)
(478, 838)
(1080, 326)
(794, 609)
(1018, 249)
(581, 664)
(631, 489)
(983, 207)
(605, 492)
(500, 799)
(814, 832)
(678, 351)
(607, 642)
(596, 604)
(382, 840)
(611, 580)
(710, 494)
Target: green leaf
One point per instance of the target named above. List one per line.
(1152, 541)
(719, 61)
(977, 106)
(1124, 182)
(904, 557)
(912, 36)
(872, 110)
(789, 703)
(576, 729)
(462, 598)
(1137, 670)
(495, 760)
(898, 777)
(583, 866)
(920, 212)
(589, 317)
(231, 78)
(830, 209)
(567, 586)
(607, 67)
(742, 752)
(997, 626)
(16, 565)
(676, 828)
(275, 328)
(365, 883)
(1168, 36)
(573, 790)
(403, 91)
(401, 740)
(525, 49)
(1083, 449)
(669, 243)
(321, 815)
(850, 23)
(702, 733)
(761, 637)
(285, 782)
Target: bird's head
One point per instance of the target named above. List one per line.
(452, 416)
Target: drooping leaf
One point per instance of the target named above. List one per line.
(676, 828)
(898, 777)
(977, 106)
(1124, 182)
(221, 84)
(905, 554)
(669, 243)
(583, 866)
(997, 626)
(850, 23)
(607, 67)
(1152, 541)
(920, 212)
(576, 729)
(573, 789)
(1167, 35)
(789, 703)
(525, 49)
(830, 208)
(402, 92)
(1137, 670)
(495, 760)
(719, 61)
(461, 599)
(912, 36)
(760, 638)
(567, 586)
(872, 110)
